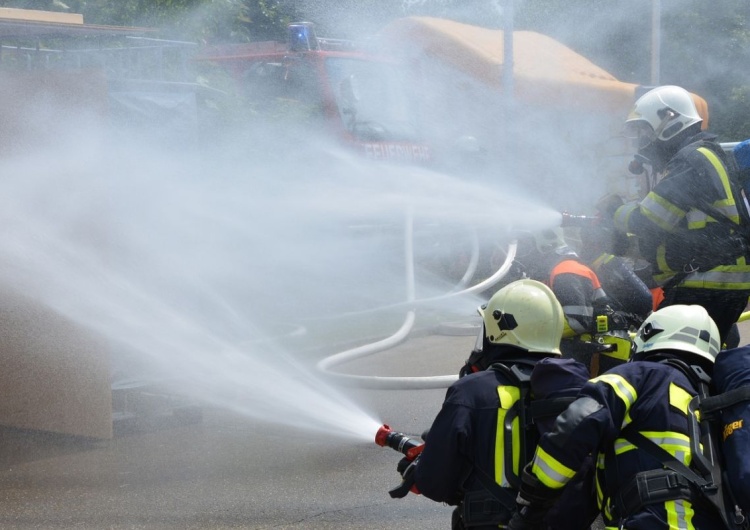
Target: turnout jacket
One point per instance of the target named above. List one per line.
(466, 437)
(579, 292)
(677, 231)
(625, 290)
(649, 397)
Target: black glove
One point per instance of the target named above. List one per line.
(406, 468)
(534, 501)
(402, 465)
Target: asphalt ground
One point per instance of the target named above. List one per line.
(229, 471)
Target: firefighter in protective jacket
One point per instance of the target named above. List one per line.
(690, 225)
(617, 416)
(552, 261)
(470, 459)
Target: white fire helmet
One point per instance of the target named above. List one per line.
(525, 314)
(660, 114)
(679, 328)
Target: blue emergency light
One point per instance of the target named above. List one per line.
(302, 37)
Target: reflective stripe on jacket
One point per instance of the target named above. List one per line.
(649, 397)
(676, 232)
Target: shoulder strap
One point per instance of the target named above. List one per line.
(504, 496)
(522, 381)
(663, 456)
(712, 491)
(732, 174)
(546, 408)
(710, 405)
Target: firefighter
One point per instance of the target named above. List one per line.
(552, 261)
(468, 460)
(617, 416)
(604, 249)
(692, 225)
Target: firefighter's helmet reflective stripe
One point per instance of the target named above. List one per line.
(679, 328)
(525, 314)
(661, 114)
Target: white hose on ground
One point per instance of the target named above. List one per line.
(405, 383)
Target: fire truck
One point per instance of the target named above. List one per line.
(360, 97)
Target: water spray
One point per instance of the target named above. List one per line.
(579, 221)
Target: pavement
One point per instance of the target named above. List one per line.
(229, 471)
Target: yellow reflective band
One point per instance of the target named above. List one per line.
(508, 395)
(599, 493)
(549, 471)
(622, 388)
(727, 277)
(601, 260)
(567, 330)
(661, 261)
(679, 514)
(679, 398)
(675, 443)
(623, 446)
(719, 168)
(622, 350)
(696, 219)
(662, 212)
(622, 216)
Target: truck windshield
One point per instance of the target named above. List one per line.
(372, 100)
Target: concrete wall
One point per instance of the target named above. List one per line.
(53, 376)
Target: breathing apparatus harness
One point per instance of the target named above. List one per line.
(738, 237)
(494, 504)
(702, 482)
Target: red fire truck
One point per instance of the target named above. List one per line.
(359, 96)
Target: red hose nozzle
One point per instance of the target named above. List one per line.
(386, 437)
(381, 437)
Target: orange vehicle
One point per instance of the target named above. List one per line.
(356, 94)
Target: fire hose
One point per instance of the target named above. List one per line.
(407, 383)
(327, 364)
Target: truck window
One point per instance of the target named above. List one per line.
(289, 88)
(372, 99)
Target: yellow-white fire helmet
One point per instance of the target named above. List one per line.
(681, 329)
(525, 314)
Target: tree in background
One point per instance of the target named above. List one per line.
(703, 47)
(196, 20)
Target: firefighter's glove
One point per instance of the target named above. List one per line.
(406, 469)
(403, 465)
(534, 501)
